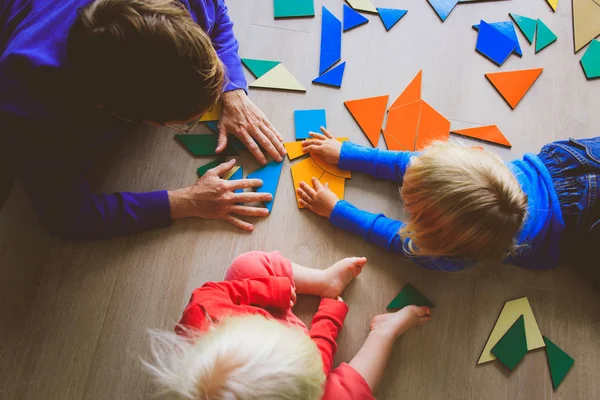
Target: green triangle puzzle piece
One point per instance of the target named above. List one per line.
(409, 296)
(560, 362)
(293, 8)
(511, 349)
(259, 67)
(544, 37)
(204, 145)
(527, 26)
(202, 170)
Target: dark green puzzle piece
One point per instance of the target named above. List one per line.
(293, 8)
(202, 170)
(204, 145)
(511, 349)
(560, 362)
(409, 296)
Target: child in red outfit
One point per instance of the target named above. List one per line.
(239, 339)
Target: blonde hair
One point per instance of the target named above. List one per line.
(461, 201)
(248, 357)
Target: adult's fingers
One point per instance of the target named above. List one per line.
(326, 132)
(272, 128)
(222, 140)
(222, 168)
(251, 197)
(251, 145)
(239, 223)
(267, 140)
(249, 211)
(309, 190)
(244, 184)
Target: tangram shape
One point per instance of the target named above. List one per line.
(293, 8)
(512, 347)
(352, 19)
(305, 170)
(411, 93)
(526, 25)
(213, 114)
(278, 78)
(553, 4)
(202, 170)
(237, 175)
(269, 174)
(432, 127)
(390, 16)
(330, 168)
(544, 36)
(368, 114)
(508, 29)
(591, 60)
(488, 133)
(559, 362)
(294, 149)
(331, 40)
(414, 126)
(586, 14)
(443, 8)
(259, 67)
(494, 44)
(335, 183)
(362, 5)
(204, 145)
(233, 174)
(213, 126)
(333, 77)
(306, 121)
(408, 296)
(512, 85)
(511, 311)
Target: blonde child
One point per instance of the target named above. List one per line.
(465, 203)
(239, 339)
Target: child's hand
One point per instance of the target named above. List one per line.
(324, 146)
(395, 324)
(319, 200)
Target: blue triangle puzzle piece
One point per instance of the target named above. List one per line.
(331, 40)
(443, 8)
(352, 18)
(508, 28)
(269, 174)
(213, 126)
(494, 44)
(237, 175)
(390, 16)
(333, 77)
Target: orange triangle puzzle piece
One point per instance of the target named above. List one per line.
(369, 114)
(400, 133)
(433, 126)
(294, 149)
(488, 133)
(512, 85)
(411, 93)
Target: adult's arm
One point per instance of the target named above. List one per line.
(380, 164)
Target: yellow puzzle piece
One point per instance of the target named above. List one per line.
(214, 114)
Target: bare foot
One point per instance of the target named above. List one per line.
(340, 274)
(401, 321)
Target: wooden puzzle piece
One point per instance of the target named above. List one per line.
(586, 14)
(511, 311)
(591, 60)
(390, 16)
(368, 114)
(336, 184)
(294, 150)
(362, 5)
(259, 67)
(559, 362)
(306, 121)
(270, 175)
(508, 29)
(331, 40)
(293, 8)
(204, 145)
(488, 133)
(330, 168)
(408, 296)
(553, 4)
(512, 85)
(202, 170)
(526, 25)
(400, 132)
(432, 127)
(214, 114)
(544, 36)
(278, 78)
(411, 93)
(227, 175)
(494, 44)
(443, 8)
(333, 77)
(352, 18)
(512, 347)
(213, 126)
(304, 171)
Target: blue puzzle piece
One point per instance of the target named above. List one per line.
(443, 8)
(352, 18)
(269, 174)
(306, 121)
(331, 40)
(333, 77)
(390, 16)
(508, 28)
(494, 44)
(237, 175)
(213, 126)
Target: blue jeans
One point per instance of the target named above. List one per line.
(574, 166)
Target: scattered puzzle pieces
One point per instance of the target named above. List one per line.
(432, 127)
(553, 4)
(494, 44)
(369, 114)
(293, 8)
(443, 8)
(488, 133)
(586, 14)
(512, 347)
(362, 5)
(408, 296)
(544, 36)
(269, 174)
(352, 18)
(259, 67)
(591, 60)
(390, 16)
(306, 121)
(204, 145)
(508, 29)
(411, 93)
(277, 77)
(526, 25)
(400, 132)
(333, 77)
(512, 85)
(559, 362)
(331, 40)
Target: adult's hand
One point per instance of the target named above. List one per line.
(214, 198)
(243, 119)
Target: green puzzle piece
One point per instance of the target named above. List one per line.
(545, 36)
(202, 170)
(527, 26)
(259, 67)
(409, 296)
(591, 60)
(204, 145)
(560, 362)
(511, 349)
(293, 8)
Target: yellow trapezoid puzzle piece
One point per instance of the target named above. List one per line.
(278, 78)
(362, 5)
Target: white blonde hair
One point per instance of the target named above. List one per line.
(248, 357)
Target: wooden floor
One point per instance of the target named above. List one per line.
(73, 316)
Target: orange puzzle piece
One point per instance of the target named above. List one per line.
(400, 132)
(411, 93)
(512, 85)
(294, 149)
(304, 171)
(336, 184)
(432, 127)
(488, 133)
(368, 114)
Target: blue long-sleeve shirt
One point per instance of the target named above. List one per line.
(539, 237)
(50, 142)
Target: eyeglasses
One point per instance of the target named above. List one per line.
(185, 127)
